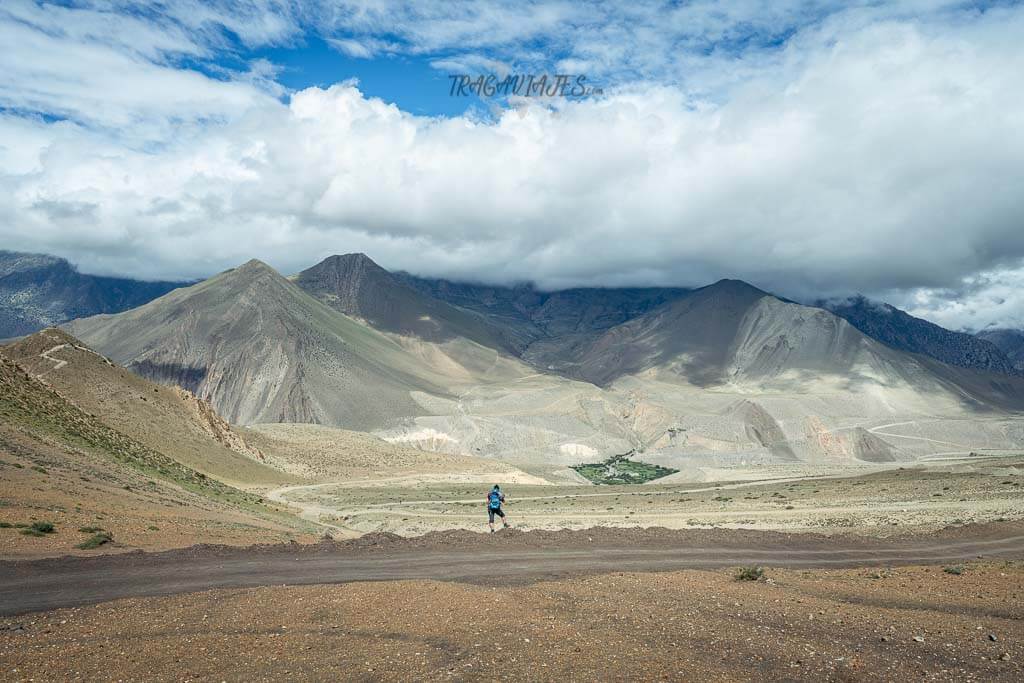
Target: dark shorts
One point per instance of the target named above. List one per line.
(491, 513)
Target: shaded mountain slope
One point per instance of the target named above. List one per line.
(904, 332)
(547, 313)
(694, 334)
(1010, 342)
(38, 291)
(356, 286)
(539, 316)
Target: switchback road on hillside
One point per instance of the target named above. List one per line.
(504, 558)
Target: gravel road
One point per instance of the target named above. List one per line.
(505, 558)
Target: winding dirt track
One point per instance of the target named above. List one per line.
(504, 558)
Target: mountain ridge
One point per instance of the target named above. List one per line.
(1009, 341)
(355, 285)
(904, 332)
(38, 291)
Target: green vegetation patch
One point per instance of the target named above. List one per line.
(619, 469)
(96, 540)
(750, 574)
(38, 529)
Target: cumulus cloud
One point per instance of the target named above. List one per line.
(872, 150)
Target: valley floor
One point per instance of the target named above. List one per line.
(940, 599)
(873, 501)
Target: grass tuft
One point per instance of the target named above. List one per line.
(954, 569)
(96, 540)
(38, 529)
(750, 574)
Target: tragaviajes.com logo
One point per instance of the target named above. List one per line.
(521, 85)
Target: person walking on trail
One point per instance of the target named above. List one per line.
(494, 500)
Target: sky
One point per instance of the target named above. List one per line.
(816, 149)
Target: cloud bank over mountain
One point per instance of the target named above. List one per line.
(814, 151)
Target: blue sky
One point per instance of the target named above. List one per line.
(406, 80)
(812, 147)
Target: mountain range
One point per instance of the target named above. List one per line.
(718, 376)
(38, 291)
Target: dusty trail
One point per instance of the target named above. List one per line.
(311, 510)
(504, 558)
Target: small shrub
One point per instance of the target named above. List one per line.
(90, 529)
(750, 574)
(153, 528)
(955, 570)
(40, 470)
(96, 540)
(5, 525)
(38, 529)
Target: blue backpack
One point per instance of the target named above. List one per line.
(494, 500)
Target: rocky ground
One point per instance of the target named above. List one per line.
(910, 623)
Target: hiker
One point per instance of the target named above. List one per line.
(494, 500)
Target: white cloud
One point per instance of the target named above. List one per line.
(364, 48)
(992, 299)
(865, 152)
(352, 48)
(53, 65)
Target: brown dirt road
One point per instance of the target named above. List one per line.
(503, 559)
